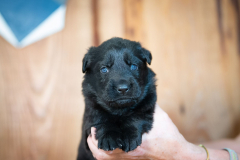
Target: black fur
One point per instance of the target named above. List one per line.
(119, 103)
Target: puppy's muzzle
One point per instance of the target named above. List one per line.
(122, 88)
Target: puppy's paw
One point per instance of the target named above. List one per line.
(110, 141)
(131, 143)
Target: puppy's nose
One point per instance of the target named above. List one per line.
(122, 88)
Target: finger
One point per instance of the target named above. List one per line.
(93, 130)
(93, 133)
(117, 153)
(95, 142)
(97, 153)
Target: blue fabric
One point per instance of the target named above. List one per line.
(23, 16)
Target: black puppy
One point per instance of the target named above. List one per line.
(120, 95)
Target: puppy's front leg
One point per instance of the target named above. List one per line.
(109, 137)
(132, 133)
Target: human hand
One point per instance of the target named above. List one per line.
(163, 142)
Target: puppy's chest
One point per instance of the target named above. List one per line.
(119, 120)
(123, 120)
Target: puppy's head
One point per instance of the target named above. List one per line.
(116, 74)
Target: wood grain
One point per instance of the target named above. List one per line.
(134, 26)
(195, 48)
(41, 103)
(111, 20)
(198, 81)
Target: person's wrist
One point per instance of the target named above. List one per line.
(179, 151)
(193, 152)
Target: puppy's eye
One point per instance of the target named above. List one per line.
(104, 70)
(134, 67)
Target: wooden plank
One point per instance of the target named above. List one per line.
(110, 19)
(230, 59)
(198, 85)
(95, 22)
(195, 55)
(134, 27)
(41, 104)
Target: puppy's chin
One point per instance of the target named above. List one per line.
(122, 103)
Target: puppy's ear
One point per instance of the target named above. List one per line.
(85, 63)
(147, 55)
(86, 60)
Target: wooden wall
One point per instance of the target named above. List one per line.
(196, 55)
